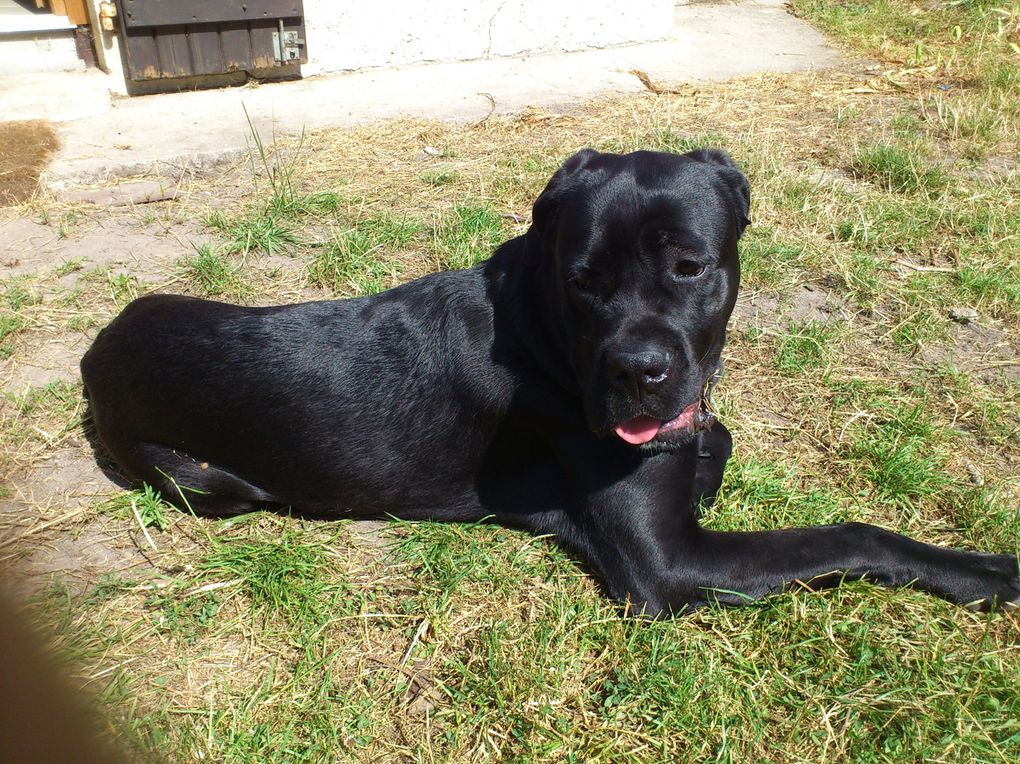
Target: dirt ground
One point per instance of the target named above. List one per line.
(25, 150)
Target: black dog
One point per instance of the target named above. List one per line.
(557, 387)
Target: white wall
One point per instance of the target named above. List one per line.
(354, 34)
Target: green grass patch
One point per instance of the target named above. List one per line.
(804, 347)
(152, 510)
(468, 234)
(10, 325)
(919, 327)
(212, 274)
(258, 231)
(901, 453)
(993, 287)
(758, 494)
(122, 287)
(183, 616)
(53, 398)
(666, 139)
(766, 261)
(270, 223)
(448, 557)
(20, 293)
(439, 178)
(663, 139)
(988, 516)
(283, 575)
(360, 260)
(896, 169)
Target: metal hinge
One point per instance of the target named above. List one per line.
(287, 45)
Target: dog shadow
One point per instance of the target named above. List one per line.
(103, 459)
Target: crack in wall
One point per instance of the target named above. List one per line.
(492, 20)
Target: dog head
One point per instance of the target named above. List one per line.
(641, 252)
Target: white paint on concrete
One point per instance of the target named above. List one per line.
(39, 52)
(177, 132)
(35, 41)
(344, 35)
(56, 96)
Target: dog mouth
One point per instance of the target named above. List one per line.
(641, 430)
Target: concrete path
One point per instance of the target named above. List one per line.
(170, 133)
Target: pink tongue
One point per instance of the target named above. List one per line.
(638, 430)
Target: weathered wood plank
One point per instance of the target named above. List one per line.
(172, 12)
(262, 50)
(141, 54)
(235, 40)
(174, 56)
(205, 49)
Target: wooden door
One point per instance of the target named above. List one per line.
(183, 38)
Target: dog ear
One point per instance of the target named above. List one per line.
(545, 211)
(740, 189)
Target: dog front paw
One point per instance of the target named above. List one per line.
(999, 579)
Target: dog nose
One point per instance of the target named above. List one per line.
(642, 370)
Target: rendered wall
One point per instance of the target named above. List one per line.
(353, 34)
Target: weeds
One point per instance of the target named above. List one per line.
(212, 274)
(896, 169)
(805, 347)
(152, 510)
(467, 235)
(184, 617)
(359, 260)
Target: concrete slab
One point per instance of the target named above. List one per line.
(168, 134)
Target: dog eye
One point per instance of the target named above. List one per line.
(688, 269)
(582, 282)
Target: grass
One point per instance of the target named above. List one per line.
(152, 511)
(359, 260)
(271, 638)
(259, 230)
(968, 48)
(896, 168)
(212, 273)
(767, 262)
(281, 575)
(269, 225)
(804, 347)
(468, 234)
(755, 485)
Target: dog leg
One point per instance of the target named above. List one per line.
(714, 449)
(732, 568)
(191, 484)
(657, 558)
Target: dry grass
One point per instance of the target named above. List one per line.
(25, 148)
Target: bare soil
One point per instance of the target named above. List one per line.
(25, 150)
